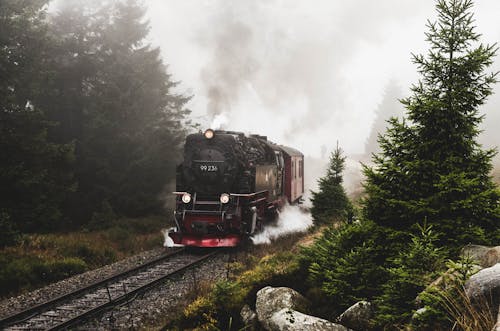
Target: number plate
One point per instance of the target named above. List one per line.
(208, 167)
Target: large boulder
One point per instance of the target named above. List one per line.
(357, 316)
(291, 320)
(485, 285)
(272, 299)
(279, 308)
(483, 255)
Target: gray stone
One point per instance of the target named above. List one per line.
(483, 255)
(485, 285)
(249, 317)
(357, 316)
(291, 320)
(272, 299)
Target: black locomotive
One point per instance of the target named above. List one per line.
(230, 184)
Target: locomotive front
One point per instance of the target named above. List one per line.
(213, 185)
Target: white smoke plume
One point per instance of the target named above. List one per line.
(219, 122)
(169, 242)
(291, 220)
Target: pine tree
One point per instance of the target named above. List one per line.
(331, 202)
(35, 172)
(114, 97)
(431, 166)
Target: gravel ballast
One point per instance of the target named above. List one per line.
(153, 305)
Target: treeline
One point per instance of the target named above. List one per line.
(90, 123)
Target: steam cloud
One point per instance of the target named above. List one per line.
(291, 220)
(169, 242)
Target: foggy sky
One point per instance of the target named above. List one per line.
(304, 73)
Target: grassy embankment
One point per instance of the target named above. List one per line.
(217, 306)
(40, 259)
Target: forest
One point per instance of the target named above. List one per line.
(90, 120)
(92, 128)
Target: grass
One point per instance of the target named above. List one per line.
(40, 259)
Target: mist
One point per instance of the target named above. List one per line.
(305, 74)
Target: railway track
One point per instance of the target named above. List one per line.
(74, 307)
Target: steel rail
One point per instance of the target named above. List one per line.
(123, 298)
(39, 308)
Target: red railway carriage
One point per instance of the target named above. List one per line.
(230, 184)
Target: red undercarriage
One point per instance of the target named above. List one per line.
(228, 240)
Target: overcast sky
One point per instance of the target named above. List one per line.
(304, 73)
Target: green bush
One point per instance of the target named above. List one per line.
(347, 264)
(25, 273)
(413, 269)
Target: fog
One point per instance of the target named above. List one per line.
(304, 73)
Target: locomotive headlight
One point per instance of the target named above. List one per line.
(224, 198)
(186, 198)
(209, 134)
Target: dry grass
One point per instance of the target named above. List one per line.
(81, 250)
(466, 315)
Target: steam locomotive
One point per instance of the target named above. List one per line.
(229, 185)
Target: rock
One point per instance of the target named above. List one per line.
(357, 316)
(483, 255)
(485, 285)
(249, 317)
(292, 320)
(273, 299)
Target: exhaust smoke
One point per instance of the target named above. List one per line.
(169, 242)
(291, 219)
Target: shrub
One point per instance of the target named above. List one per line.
(414, 268)
(347, 264)
(29, 272)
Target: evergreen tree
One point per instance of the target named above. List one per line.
(35, 173)
(347, 264)
(431, 166)
(331, 202)
(115, 99)
(414, 268)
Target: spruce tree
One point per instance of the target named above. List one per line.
(331, 202)
(35, 172)
(431, 166)
(112, 95)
